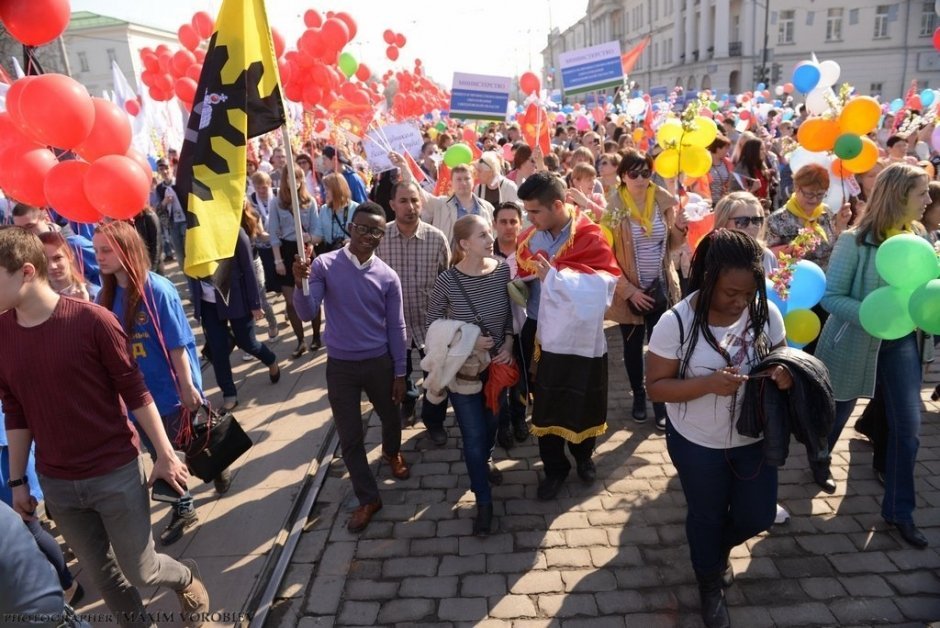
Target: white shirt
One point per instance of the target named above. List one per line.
(355, 260)
(710, 421)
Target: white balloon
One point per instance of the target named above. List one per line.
(778, 90)
(802, 157)
(922, 150)
(816, 101)
(636, 107)
(835, 197)
(829, 72)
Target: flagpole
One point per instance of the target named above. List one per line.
(295, 205)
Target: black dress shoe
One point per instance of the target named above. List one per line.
(483, 523)
(824, 480)
(275, 376)
(911, 534)
(586, 470)
(549, 487)
(520, 430)
(639, 407)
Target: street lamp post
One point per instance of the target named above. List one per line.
(763, 60)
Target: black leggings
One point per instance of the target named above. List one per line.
(634, 336)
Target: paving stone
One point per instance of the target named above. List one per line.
(365, 589)
(919, 608)
(914, 583)
(749, 616)
(650, 620)
(637, 578)
(310, 546)
(415, 530)
(365, 569)
(512, 607)
(493, 544)
(757, 592)
(866, 586)
(606, 556)
(535, 539)
(822, 588)
(404, 610)
(482, 585)
(337, 558)
(567, 605)
(556, 557)
(326, 596)
(622, 601)
(594, 622)
(412, 566)
(438, 586)
(808, 614)
(585, 537)
(454, 527)
(465, 609)
(862, 562)
(383, 548)
(824, 544)
(515, 562)
(907, 559)
(359, 613)
(458, 565)
(316, 622)
(569, 520)
(589, 580)
(870, 610)
(539, 581)
(804, 567)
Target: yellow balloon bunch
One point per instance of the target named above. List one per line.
(685, 145)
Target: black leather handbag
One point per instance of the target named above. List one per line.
(657, 292)
(217, 441)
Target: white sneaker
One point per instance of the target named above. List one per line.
(782, 515)
(247, 357)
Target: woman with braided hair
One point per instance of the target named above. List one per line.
(700, 354)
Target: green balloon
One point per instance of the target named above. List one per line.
(906, 261)
(348, 64)
(925, 307)
(458, 154)
(848, 146)
(884, 313)
(441, 126)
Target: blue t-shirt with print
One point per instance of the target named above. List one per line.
(162, 302)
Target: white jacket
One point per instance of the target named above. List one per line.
(441, 211)
(507, 190)
(448, 347)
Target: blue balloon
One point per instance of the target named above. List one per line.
(778, 103)
(806, 76)
(610, 100)
(807, 286)
(896, 105)
(788, 114)
(759, 98)
(795, 345)
(761, 86)
(927, 97)
(774, 298)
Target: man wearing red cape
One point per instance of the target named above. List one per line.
(571, 273)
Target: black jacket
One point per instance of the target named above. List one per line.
(807, 410)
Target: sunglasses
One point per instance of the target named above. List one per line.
(813, 195)
(742, 222)
(645, 173)
(364, 230)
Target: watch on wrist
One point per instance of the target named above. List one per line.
(19, 482)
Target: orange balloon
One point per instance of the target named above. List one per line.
(818, 134)
(838, 168)
(865, 160)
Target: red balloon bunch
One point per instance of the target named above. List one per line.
(35, 22)
(416, 95)
(395, 41)
(167, 73)
(53, 110)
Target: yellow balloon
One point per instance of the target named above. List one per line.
(865, 160)
(637, 136)
(695, 161)
(669, 133)
(703, 133)
(860, 115)
(432, 133)
(802, 326)
(667, 163)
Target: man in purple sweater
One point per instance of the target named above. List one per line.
(365, 348)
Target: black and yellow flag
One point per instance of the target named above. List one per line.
(238, 97)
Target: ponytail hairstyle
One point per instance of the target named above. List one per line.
(721, 250)
(132, 252)
(463, 230)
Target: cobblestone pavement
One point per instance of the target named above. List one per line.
(612, 553)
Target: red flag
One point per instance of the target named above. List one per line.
(413, 166)
(535, 128)
(629, 58)
(443, 186)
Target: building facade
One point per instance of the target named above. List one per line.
(93, 41)
(881, 46)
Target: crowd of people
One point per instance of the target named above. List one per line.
(499, 274)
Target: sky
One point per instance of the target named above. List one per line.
(496, 37)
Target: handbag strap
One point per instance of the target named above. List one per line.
(476, 315)
(342, 226)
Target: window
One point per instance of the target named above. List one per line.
(83, 61)
(875, 89)
(928, 19)
(834, 25)
(735, 28)
(785, 25)
(881, 21)
(112, 57)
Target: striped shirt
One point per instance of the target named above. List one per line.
(649, 249)
(417, 260)
(490, 299)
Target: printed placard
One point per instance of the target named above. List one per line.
(479, 97)
(589, 69)
(395, 135)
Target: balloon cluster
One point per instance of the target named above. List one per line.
(685, 144)
(395, 42)
(910, 266)
(35, 22)
(168, 73)
(416, 95)
(54, 110)
(815, 79)
(807, 285)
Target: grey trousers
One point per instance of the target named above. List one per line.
(345, 381)
(106, 522)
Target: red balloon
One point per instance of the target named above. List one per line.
(163, 82)
(335, 33)
(132, 107)
(915, 103)
(151, 62)
(363, 72)
(200, 54)
(936, 39)
(194, 71)
(312, 95)
(58, 110)
(11, 136)
(278, 41)
(185, 89)
(13, 101)
(745, 115)
(284, 71)
(360, 97)
(147, 77)
(65, 191)
(35, 22)
(529, 83)
(117, 187)
(347, 90)
(162, 49)
(165, 62)
(400, 40)
(294, 92)
(469, 135)
(418, 63)
(181, 62)
(388, 36)
(349, 21)
(188, 36)
(111, 134)
(204, 24)
(140, 160)
(157, 94)
(22, 174)
(392, 53)
(311, 42)
(313, 19)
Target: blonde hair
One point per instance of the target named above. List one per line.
(463, 230)
(888, 203)
(731, 203)
(582, 171)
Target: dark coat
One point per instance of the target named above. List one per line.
(807, 410)
(244, 294)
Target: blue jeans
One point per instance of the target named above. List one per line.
(173, 425)
(216, 331)
(899, 377)
(432, 414)
(178, 236)
(478, 432)
(731, 496)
